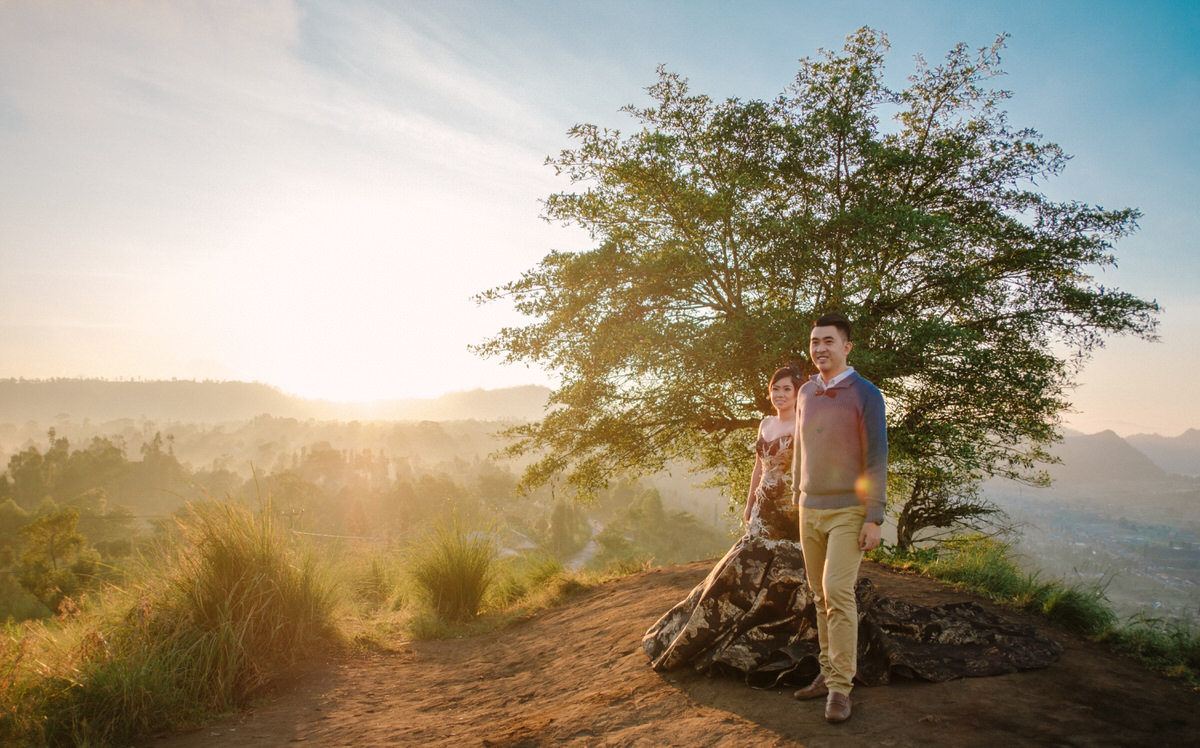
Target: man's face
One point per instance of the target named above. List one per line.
(829, 350)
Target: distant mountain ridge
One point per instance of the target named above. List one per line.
(1175, 454)
(1105, 456)
(100, 400)
(1085, 457)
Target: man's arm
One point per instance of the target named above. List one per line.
(872, 489)
(796, 450)
(873, 486)
(870, 537)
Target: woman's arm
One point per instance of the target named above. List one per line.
(755, 479)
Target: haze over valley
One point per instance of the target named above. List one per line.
(1121, 512)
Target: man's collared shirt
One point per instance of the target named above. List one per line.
(821, 380)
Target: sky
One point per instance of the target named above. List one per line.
(310, 194)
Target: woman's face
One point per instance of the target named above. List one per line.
(783, 395)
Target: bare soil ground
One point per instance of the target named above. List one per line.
(576, 675)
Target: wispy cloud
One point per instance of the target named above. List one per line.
(307, 192)
(296, 176)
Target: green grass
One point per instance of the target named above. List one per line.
(519, 577)
(230, 599)
(374, 584)
(453, 565)
(1168, 646)
(465, 589)
(222, 608)
(983, 566)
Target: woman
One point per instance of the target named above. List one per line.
(743, 616)
(753, 614)
(769, 510)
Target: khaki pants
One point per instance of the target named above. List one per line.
(829, 538)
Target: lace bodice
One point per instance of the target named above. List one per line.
(774, 515)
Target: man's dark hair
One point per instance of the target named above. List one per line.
(833, 319)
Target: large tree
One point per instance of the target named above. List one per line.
(722, 229)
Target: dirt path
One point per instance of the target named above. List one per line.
(576, 675)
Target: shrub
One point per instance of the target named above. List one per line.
(453, 567)
(240, 582)
(1081, 607)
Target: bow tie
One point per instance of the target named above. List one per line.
(830, 392)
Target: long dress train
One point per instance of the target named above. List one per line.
(753, 615)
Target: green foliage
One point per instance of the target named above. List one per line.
(569, 530)
(453, 565)
(16, 602)
(12, 519)
(28, 473)
(371, 575)
(522, 585)
(376, 586)
(52, 540)
(52, 547)
(227, 595)
(92, 473)
(323, 487)
(238, 569)
(1080, 607)
(641, 533)
(61, 504)
(88, 477)
(723, 229)
(981, 565)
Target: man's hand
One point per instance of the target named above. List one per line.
(869, 538)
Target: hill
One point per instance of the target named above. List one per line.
(1100, 458)
(1105, 472)
(1175, 454)
(100, 400)
(576, 675)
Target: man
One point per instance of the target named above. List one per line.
(839, 474)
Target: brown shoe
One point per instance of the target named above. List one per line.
(837, 707)
(813, 690)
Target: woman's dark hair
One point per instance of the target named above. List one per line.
(791, 371)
